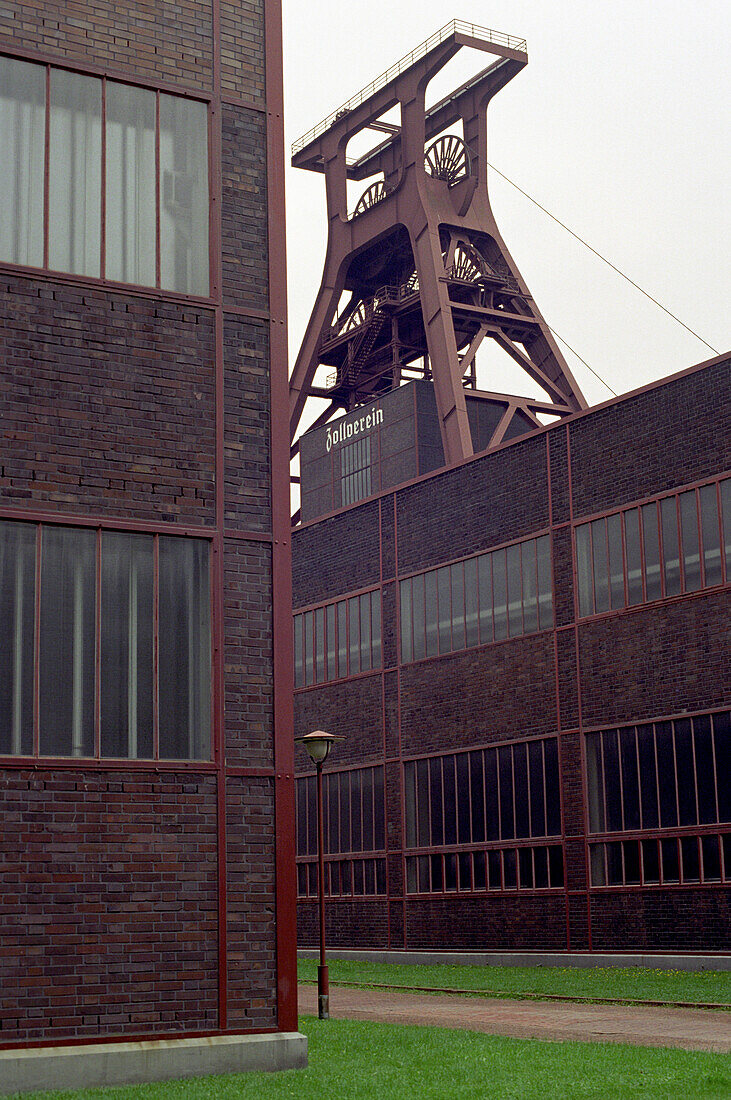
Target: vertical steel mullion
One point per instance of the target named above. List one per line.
(639, 781)
(37, 645)
(530, 790)
(512, 787)
(522, 588)
(103, 203)
(604, 778)
(98, 646)
(47, 169)
(156, 647)
(158, 265)
(657, 775)
(545, 785)
(695, 774)
(492, 594)
(643, 562)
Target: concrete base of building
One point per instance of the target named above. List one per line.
(90, 1066)
(527, 958)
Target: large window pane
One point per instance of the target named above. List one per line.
(670, 545)
(417, 595)
(600, 565)
(444, 594)
(126, 645)
(634, 559)
(431, 613)
(500, 594)
(689, 538)
(22, 140)
(184, 261)
(74, 222)
(405, 622)
(130, 184)
(342, 638)
(299, 671)
(616, 566)
(457, 573)
(711, 535)
(320, 645)
(545, 583)
(376, 628)
(726, 513)
(185, 649)
(651, 543)
(530, 596)
(17, 617)
(332, 671)
(365, 631)
(68, 644)
(515, 596)
(484, 572)
(584, 569)
(472, 635)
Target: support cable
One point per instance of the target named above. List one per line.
(605, 260)
(573, 352)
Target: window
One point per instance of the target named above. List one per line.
(479, 798)
(110, 607)
(340, 639)
(355, 470)
(353, 823)
(505, 593)
(664, 775)
(660, 549)
(139, 155)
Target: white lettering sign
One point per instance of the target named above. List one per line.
(343, 430)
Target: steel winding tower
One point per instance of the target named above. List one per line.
(420, 255)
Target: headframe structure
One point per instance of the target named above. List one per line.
(428, 273)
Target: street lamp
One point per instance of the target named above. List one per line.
(318, 744)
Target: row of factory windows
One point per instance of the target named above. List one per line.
(681, 543)
(462, 810)
(105, 643)
(667, 547)
(103, 179)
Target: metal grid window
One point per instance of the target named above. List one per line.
(103, 179)
(502, 594)
(474, 802)
(337, 640)
(353, 822)
(355, 470)
(668, 778)
(667, 547)
(105, 644)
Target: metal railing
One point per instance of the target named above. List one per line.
(455, 26)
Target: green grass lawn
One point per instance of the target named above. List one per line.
(632, 983)
(353, 1060)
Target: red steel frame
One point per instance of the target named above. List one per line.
(282, 772)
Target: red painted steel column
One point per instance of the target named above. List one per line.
(284, 811)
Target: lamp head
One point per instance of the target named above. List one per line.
(318, 744)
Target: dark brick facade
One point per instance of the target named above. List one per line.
(154, 39)
(647, 662)
(144, 899)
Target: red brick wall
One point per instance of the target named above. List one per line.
(108, 403)
(109, 903)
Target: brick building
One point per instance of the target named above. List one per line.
(145, 681)
(528, 655)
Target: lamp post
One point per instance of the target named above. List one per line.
(318, 744)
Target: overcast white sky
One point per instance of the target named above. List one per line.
(618, 125)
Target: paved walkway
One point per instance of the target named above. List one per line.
(687, 1028)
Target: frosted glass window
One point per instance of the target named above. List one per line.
(22, 140)
(185, 649)
(74, 241)
(68, 641)
(130, 184)
(651, 541)
(689, 541)
(183, 195)
(545, 582)
(126, 645)
(17, 595)
(584, 569)
(711, 535)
